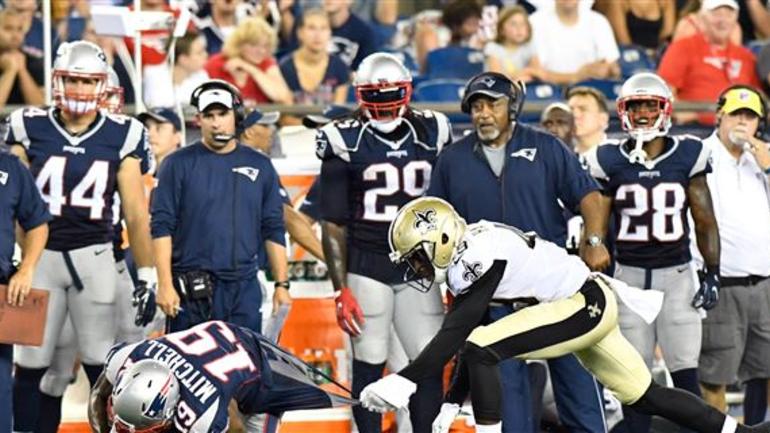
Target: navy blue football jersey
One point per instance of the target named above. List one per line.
(367, 175)
(77, 174)
(650, 202)
(212, 362)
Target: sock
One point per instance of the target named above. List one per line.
(51, 407)
(755, 401)
(492, 428)
(425, 403)
(687, 379)
(93, 372)
(364, 374)
(26, 398)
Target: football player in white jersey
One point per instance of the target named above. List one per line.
(572, 311)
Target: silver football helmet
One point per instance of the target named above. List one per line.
(113, 95)
(80, 74)
(383, 86)
(644, 106)
(145, 398)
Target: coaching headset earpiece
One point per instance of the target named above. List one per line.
(762, 119)
(238, 108)
(494, 84)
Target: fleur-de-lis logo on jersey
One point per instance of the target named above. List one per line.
(472, 271)
(425, 220)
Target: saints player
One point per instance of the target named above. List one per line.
(572, 311)
(374, 161)
(79, 157)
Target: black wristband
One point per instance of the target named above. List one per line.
(284, 284)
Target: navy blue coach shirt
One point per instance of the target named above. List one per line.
(218, 209)
(538, 170)
(20, 201)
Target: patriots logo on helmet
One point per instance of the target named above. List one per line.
(472, 271)
(487, 81)
(158, 404)
(425, 220)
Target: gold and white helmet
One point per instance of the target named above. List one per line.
(425, 234)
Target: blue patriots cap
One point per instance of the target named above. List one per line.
(257, 117)
(491, 84)
(330, 113)
(162, 115)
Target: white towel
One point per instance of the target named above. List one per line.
(645, 303)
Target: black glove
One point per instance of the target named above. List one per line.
(707, 295)
(144, 301)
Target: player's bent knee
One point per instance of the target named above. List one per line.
(54, 384)
(473, 353)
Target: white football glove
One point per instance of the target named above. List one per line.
(445, 418)
(389, 393)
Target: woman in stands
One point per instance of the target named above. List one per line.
(512, 52)
(314, 76)
(642, 22)
(247, 62)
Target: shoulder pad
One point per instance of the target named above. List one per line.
(591, 160)
(17, 125)
(332, 139)
(697, 152)
(116, 360)
(473, 260)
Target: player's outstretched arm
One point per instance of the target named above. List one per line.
(595, 208)
(97, 405)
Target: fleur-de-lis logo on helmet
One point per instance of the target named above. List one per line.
(425, 221)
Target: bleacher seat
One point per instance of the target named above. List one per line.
(454, 62)
(610, 88)
(439, 91)
(634, 59)
(540, 92)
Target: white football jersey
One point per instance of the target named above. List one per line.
(535, 267)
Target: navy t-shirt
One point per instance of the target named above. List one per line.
(337, 73)
(353, 41)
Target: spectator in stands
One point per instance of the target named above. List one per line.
(558, 120)
(573, 44)
(21, 79)
(33, 40)
(218, 26)
(736, 335)
(459, 20)
(246, 61)
(763, 67)
(512, 52)
(642, 22)
(589, 108)
(754, 18)
(314, 76)
(692, 19)
(381, 15)
(164, 131)
(353, 38)
(190, 57)
(700, 66)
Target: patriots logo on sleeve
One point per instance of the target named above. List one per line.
(425, 221)
(472, 271)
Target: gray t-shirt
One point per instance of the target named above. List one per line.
(496, 158)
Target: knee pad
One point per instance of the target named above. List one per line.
(474, 353)
(55, 383)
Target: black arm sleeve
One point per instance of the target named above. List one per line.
(467, 312)
(334, 191)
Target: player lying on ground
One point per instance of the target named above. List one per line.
(183, 382)
(573, 311)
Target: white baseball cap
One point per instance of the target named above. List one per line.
(212, 96)
(710, 5)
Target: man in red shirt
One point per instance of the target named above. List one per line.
(700, 66)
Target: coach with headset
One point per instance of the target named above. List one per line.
(736, 333)
(215, 202)
(515, 174)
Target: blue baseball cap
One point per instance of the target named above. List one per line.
(330, 113)
(257, 117)
(162, 115)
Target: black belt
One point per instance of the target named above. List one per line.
(751, 280)
(515, 303)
